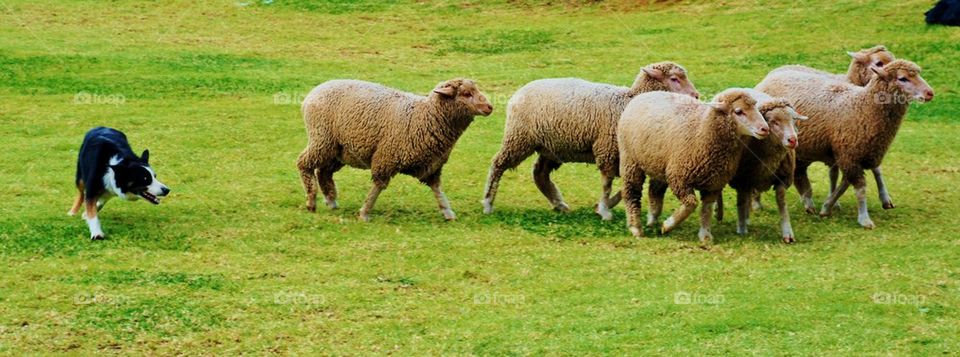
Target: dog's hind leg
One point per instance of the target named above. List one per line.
(78, 202)
(90, 214)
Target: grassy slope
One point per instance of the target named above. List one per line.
(232, 262)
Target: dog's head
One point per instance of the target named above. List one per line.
(136, 179)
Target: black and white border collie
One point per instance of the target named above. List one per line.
(107, 167)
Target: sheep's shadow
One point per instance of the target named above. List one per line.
(584, 223)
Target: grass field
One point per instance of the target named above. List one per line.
(232, 262)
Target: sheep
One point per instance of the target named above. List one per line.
(859, 73)
(573, 120)
(366, 125)
(767, 163)
(685, 145)
(850, 127)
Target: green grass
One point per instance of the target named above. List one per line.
(231, 262)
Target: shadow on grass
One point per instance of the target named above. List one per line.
(68, 236)
(578, 223)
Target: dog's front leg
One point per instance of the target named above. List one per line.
(90, 214)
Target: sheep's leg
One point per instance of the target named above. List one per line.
(632, 194)
(802, 181)
(831, 201)
(706, 211)
(434, 182)
(380, 183)
(882, 188)
(328, 186)
(656, 192)
(541, 176)
(307, 164)
(688, 203)
(786, 230)
(605, 204)
(863, 217)
(510, 155)
(609, 167)
(834, 175)
(744, 199)
(757, 205)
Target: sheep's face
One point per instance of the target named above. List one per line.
(673, 80)
(868, 60)
(782, 123)
(465, 93)
(742, 109)
(906, 76)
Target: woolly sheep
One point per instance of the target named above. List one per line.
(685, 145)
(369, 126)
(850, 127)
(862, 64)
(768, 163)
(573, 120)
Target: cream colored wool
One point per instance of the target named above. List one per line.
(572, 120)
(684, 144)
(369, 126)
(850, 126)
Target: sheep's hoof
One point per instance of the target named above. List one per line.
(810, 210)
(705, 237)
(825, 212)
(311, 208)
(888, 205)
(605, 215)
(96, 237)
(364, 217)
(636, 231)
(867, 223)
(561, 207)
(331, 205)
(742, 230)
(71, 213)
(789, 240)
(487, 207)
(449, 216)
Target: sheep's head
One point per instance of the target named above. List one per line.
(669, 77)
(906, 76)
(739, 106)
(465, 93)
(863, 63)
(781, 118)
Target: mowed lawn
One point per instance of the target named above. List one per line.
(232, 262)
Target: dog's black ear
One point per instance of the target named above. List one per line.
(145, 157)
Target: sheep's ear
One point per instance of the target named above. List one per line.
(880, 72)
(145, 157)
(721, 106)
(446, 89)
(653, 73)
(860, 57)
